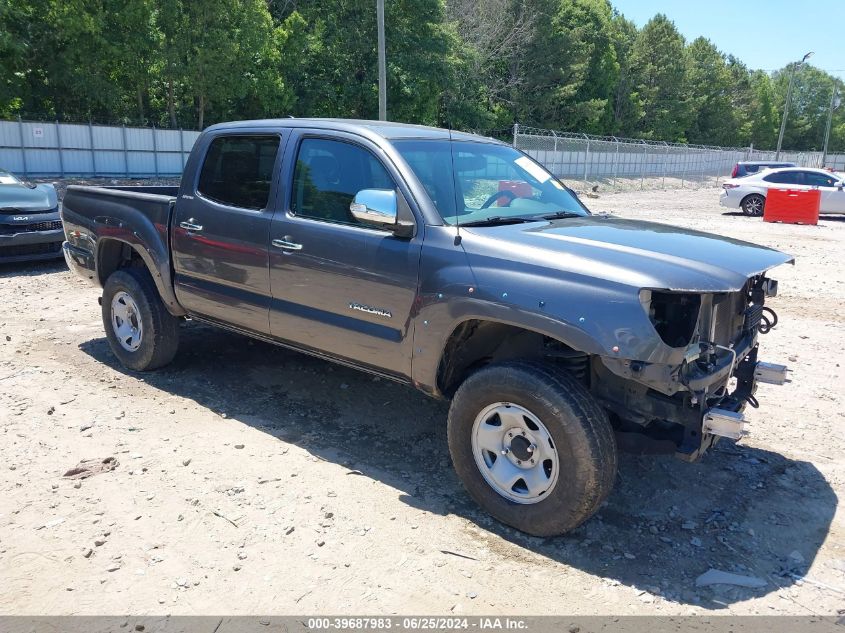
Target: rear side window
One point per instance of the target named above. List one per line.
(786, 178)
(327, 176)
(238, 170)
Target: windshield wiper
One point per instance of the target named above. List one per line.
(561, 214)
(499, 220)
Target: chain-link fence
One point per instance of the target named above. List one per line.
(609, 163)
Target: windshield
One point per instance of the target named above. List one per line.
(7, 179)
(475, 182)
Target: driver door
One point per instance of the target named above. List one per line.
(832, 199)
(341, 287)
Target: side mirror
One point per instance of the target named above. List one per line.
(376, 206)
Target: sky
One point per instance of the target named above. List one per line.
(763, 35)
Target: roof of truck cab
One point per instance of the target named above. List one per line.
(385, 129)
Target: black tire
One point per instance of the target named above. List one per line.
(753, 205)
(578, 427)
(160, 329)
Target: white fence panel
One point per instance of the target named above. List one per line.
(50, 149)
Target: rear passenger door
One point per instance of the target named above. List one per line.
(339, 286)
(786, 180)
(221, 228)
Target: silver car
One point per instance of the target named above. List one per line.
(749, 193)
(30, 226)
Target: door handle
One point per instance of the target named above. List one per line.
(189, 225)
(286, 244)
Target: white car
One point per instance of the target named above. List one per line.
(749, 193)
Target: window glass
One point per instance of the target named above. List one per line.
(815, 179)
(238, 170)
(327, 176)
(481, 175)
(469, 181)
(785, 177)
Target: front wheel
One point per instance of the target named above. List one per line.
(753, 205)
(140, 331)
(532, 446)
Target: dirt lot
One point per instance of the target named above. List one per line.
(251, 479)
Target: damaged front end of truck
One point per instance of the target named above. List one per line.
(698, 392)
(660, 324)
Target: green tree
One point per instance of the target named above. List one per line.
(227, 48)
(626, 106)
(267, 59)
(837, 135)
(489, 39)
(743, 102)
(131, 42)
(65, 67)
(337, 71)
(473, 64)
(809, 106)
(764, 116)
(660, 80)
(709, 96)
(12, 58)
(573, 67)
(170, 23)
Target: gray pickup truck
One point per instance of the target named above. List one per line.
(453, 263)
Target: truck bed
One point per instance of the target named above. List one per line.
(136, 216)
(88, 202)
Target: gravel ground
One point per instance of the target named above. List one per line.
(251, 479)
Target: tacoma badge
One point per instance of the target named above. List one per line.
(370, 310)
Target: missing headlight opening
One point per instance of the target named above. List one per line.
(674, 316)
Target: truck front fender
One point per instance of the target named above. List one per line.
(455, 289)
(579, 310)
(437, 322)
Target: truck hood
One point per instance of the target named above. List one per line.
(630, 252)
(21, 198)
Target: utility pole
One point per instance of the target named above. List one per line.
(834, 103)
(795, 66)
(382, 69)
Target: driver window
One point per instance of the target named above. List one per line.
(327, 176)
(815, 179)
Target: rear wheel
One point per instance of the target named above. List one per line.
(140, 331)
(532, 446)
(753, 205)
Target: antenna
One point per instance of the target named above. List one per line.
(454, 188)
